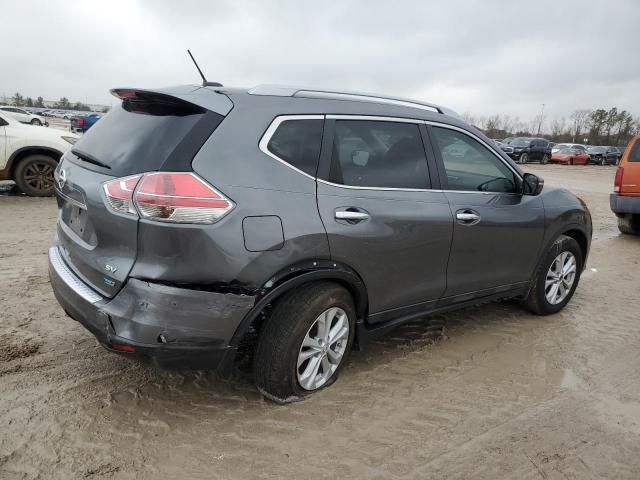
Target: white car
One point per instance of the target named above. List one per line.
(23, 116)
(571, 146)
(30, 154)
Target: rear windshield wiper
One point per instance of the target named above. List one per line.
(89, 158)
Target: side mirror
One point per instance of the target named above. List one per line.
(532, 184)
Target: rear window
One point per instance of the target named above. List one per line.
(379, 154)
(634, 154)
(298, 142)
(141, 135)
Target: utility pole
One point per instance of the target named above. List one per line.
(540, 122)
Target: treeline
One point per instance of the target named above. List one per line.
(593, 127)
(63, 104)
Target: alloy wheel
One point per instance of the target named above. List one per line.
(39, 176)
(323, 348)
(560, 278)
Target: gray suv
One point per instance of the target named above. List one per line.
(199, 226)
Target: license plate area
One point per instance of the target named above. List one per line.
(77, 219)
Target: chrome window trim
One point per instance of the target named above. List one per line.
(436, 190)
(354, 187)
(266, 138)
(478, 139)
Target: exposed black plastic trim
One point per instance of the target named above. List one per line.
(180, 159)
(294, 277)
(367, 333)
(7, 172)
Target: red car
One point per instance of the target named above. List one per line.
(570, 156)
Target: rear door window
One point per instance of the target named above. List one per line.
(379, 154)
(298, 143)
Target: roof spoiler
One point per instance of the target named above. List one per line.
(190, 96)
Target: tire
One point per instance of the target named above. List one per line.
(294, 317)
(537, 300)
(34, 175)
(629, 224)
(545, 159)
(603, 162)
(524, 158)
(35, 121)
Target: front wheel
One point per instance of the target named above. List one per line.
(305, 342)
(524, 158)
(35, 121)
(556, 278)
(603, 162)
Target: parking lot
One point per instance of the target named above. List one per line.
(487, 392)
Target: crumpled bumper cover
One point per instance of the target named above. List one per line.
(169, 326)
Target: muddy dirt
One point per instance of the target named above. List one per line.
(489, 392)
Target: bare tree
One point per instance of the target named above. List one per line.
(507, 124)
(579, 122)
(557, 127)
(470, 119)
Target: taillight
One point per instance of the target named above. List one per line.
(80, 121)
(617, 183)
(119, 193)
(179, 197)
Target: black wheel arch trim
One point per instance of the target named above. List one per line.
(18, 154)
(299, 274)
(564, 229)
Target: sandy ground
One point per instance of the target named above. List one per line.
(488, 392)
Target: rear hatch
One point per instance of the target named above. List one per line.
(148, 131)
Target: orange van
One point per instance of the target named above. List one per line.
(625, 199)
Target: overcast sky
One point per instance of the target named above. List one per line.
(480, 57)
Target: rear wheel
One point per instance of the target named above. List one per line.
(34, 175)
(556, 278)
(545, 159)
(629, 224)
(524, 158)
(305, 342)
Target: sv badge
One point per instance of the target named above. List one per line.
(110, 268)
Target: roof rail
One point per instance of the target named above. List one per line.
(359, 97)
(284, 91)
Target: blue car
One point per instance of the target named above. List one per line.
(83, 123)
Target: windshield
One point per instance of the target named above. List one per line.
(520, 142)
(596, 149)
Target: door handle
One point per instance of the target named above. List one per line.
(467, 217)
(351, 215)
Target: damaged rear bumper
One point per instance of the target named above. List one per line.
(168, 326)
